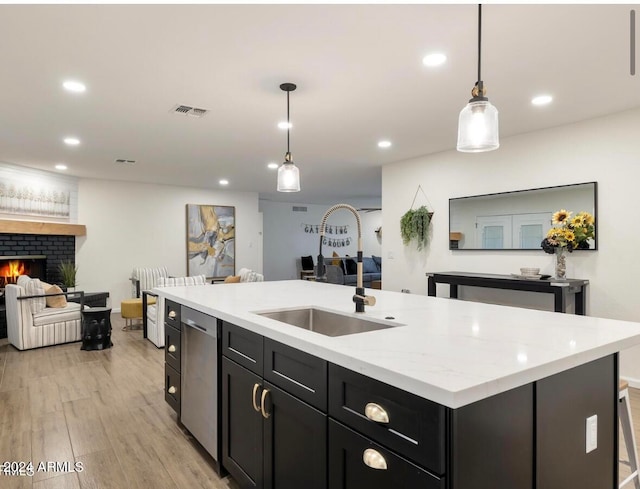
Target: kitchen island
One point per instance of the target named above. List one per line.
(505, 392)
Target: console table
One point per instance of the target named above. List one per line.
(562, 290)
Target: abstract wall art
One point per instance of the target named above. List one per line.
(211, 231)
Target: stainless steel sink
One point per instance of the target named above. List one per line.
(326, 322)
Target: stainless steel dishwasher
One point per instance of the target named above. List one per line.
(199, 363)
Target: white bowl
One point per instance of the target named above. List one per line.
(530, 271)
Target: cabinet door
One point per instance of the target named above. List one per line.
(355, 462)
(295, 442)
(242, 435)
(172, 347)
(172, 388)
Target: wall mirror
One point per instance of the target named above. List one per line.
(517, 220)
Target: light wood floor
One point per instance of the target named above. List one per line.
(106, 409)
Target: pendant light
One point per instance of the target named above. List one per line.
(478, 121)
(288, 173)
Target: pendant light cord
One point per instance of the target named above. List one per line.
(479, 38)
(288, 124)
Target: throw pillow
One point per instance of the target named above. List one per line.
(34, 287)
(57, 300)
(181, 281)
(368, 265)
(351, 266)
(232, 279)
(378, 261)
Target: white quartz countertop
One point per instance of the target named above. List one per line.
(450, 351)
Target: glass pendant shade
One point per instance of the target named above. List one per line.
(288, 177)
(478, 127)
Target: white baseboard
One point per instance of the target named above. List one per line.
(635, 383)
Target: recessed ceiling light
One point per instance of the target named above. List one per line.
(71, 141)
(272, 166)
(61, 166)
(542, 100)
(285, 125)
(74, 86)
(384, 144)
(435, 59)
(224, 182)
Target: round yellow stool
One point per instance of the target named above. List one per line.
(130, 309)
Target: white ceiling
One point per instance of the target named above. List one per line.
(359, 74)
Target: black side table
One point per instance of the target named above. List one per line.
(92, 299)
(96, 328)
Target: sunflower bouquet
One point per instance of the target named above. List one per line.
(571, 233)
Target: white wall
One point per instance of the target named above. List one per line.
(134, 224)
(604, 150)
(285, 239)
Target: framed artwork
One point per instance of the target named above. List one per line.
(211, 232)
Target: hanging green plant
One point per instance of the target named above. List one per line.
(414, 225)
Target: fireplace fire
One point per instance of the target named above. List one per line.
(11, 271)
(11, 267)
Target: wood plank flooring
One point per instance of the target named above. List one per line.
(106, 411)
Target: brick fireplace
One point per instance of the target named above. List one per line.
(46, 251)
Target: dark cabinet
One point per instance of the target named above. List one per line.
(272, 439)
(295, 443)
(173, 343)
(412, 426)
(172, 387)
(355, 462)
(563, 404)
(242, 425)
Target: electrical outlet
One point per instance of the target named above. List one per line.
(390, 255)
(592, 433)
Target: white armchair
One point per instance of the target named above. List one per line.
(154, 325)
(31, 324)
(146, 279)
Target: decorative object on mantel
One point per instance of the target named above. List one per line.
(568, 234)
(414, 224)
(21, 198)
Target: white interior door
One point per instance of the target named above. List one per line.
(494, 232)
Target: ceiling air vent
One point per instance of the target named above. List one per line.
(190, 111)
(122, 161)
(299, 208)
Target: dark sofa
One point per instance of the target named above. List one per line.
(346, 272)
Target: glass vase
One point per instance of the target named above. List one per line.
(561, 263)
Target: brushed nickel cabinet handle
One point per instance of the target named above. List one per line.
(375, 412)
(374, 459)
(253, 397)
(172, 348)
(172, 314)
(265, 414)
(172, 390)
